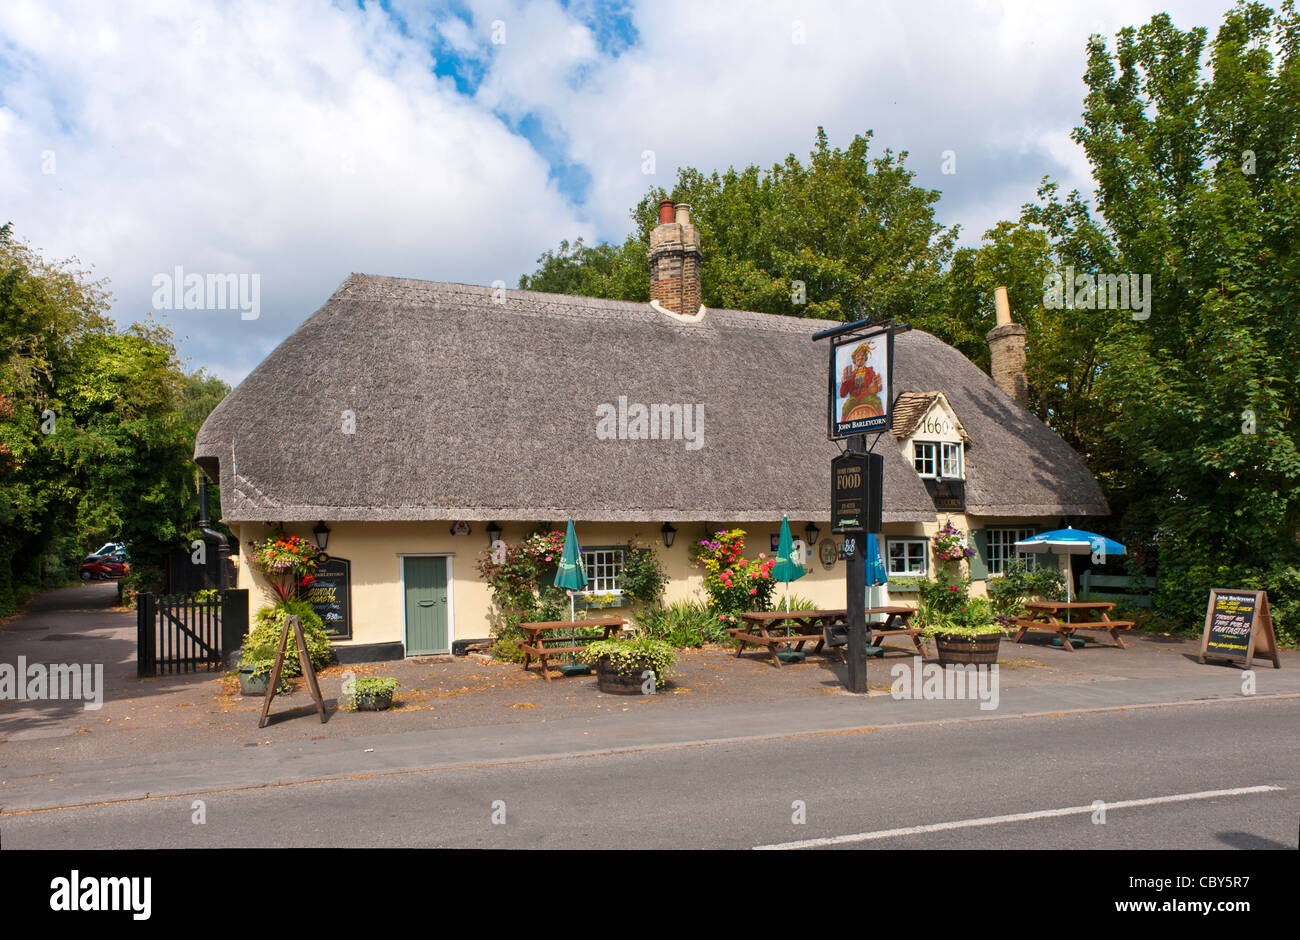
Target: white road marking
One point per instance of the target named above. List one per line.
(1014, 817)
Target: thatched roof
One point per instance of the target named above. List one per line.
(469, 409)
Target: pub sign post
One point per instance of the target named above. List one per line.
(860, 393)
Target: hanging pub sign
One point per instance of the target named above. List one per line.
(856, 484)
(861, 384)
(1239, 626)
(330, 595)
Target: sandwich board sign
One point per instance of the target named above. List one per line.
(1239, 627)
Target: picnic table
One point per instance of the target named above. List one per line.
(1046, 615)
(546, 632)
(775, 628)
(898, 622)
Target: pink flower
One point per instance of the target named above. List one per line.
(753, 590)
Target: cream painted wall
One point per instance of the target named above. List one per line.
(375, 551)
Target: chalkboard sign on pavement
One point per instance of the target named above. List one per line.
(1239, 626)
(331, 596)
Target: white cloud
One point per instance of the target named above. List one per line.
(303, 141)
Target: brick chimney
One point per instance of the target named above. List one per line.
(675, 258)
(1007, 351)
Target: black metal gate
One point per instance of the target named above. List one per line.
(186, 632)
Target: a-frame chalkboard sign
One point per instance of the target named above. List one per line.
(1239, 627)
(304, 660)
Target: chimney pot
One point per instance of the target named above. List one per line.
(675, 259)
(1007, 351)
(1003, 305)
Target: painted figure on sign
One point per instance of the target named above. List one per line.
(860, 387)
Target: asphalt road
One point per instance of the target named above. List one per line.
(856, 790)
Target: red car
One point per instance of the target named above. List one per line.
(104, 568)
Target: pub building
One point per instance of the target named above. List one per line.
(408, 423)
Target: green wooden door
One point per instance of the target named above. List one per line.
(425, 581)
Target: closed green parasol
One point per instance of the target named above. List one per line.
(788, 567)
(571, 576)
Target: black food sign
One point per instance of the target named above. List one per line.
(330, 595)
(856, 481)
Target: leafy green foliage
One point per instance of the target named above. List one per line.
(374, 689)
(945, 608)
(632, 657)
(260, 646)
(97, 428)
(1019, 583)
(734, 584)
(1199, 182)
(643, 577)
(682, 624)
(523, 591)
(855, 230)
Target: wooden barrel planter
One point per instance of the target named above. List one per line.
(608, 679)
(373, 701)
(961, 650)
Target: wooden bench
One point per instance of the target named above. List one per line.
(543, 634)
(1046, 615)
(796, 627)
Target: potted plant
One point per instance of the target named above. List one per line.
(963, 628)
(621, 665)
(254, 676)
(257, 654)
(372, 693)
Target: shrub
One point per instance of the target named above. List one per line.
(946, 608)
(734, 584)
(1019, 583)
(634, 656)
(643, 576)
(371, 687)
(260, 646)
(682, 623)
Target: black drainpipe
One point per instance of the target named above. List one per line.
(223, 543)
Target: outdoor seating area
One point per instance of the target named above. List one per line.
(560, 638)
(774, 629)
(1047, 615)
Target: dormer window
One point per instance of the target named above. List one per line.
(937, 460)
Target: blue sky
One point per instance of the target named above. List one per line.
(307, 139)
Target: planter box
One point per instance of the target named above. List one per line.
(593, 603)
(960, 650)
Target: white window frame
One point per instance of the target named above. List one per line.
(603, 564)
(933, 447)
(945, 447)
(907, 556)
(1002, 550)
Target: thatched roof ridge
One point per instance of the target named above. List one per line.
(469, 409)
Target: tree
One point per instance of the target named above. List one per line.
(840, 237)
(97, 427)
(1199, 183)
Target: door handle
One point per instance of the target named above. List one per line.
(427, 603)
